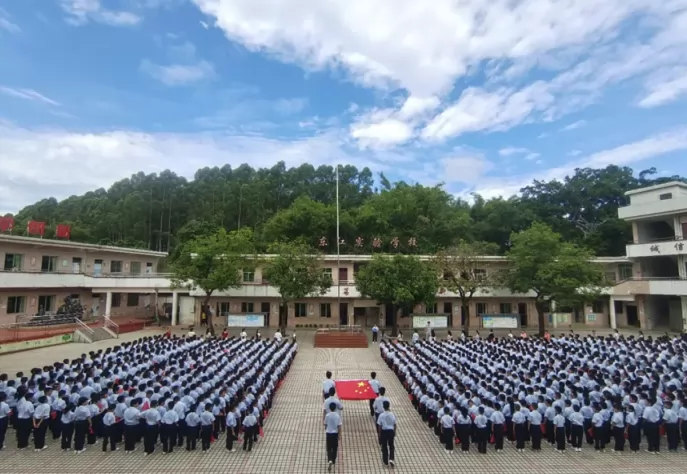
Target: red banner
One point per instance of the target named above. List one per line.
(63, 231)
(35, 228)
(6, 224)
(354, 390)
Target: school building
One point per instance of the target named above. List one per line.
(649, 291)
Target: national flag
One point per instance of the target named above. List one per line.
(6, 224)
(63, 231)
(35, 228)
(354, 390)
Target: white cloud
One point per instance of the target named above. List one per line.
(6, 24)
(509, 151)
(81, 12)
(623, 155)
(574, 153)
(178, 74)
(204, 25)
(464, 169)
(665, 88)
(28, 94)
(574, 126)
(532, 156)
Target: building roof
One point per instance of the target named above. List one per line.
(485, 258)
(18, 239)
(648, 189)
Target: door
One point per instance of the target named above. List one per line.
(343, 275)
(97, 268)
(448, 311)
(632, 318)
(265, 308)
(522, 311)
(187, 311)
(95, 305)
(343, 314)
(149, 268)
(389, 318)
(76, 265)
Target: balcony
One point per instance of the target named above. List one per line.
(666, 286)
(671, 246)
(143, 283)
(654, 208)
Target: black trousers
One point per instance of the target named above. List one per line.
(464, 437)
(150, 438)
(130, 437)
(634, 437)
(619, 438)
(230, 439)
(684, 434)
(205, 435)
(388, 449)
(248, 438)
(447, 435)
(39, 435)
(4, 422)
(550, 432)
(535, 435)
(576, 435)
(109, 437)
(55, 425)
(374, 336)
(599, 438)
(673, 435)
(520, 430)
(80, 430)
(332, 447)
(23, 432)
(191, 437)
(181, 432)
(168, 437)
(482, 439)
(587, 427)
(560, 438)
(372, 409)
(652, 436)
(67, 432)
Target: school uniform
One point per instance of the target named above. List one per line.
(41, 417)
(25, 411)
(576, 429)
(618, 428)
(519, 428)
(326, 386)
(598, 428)
(549, 415)
(180, 408)
(58, 406)
(231, 429)
(4, 422)
(670, 419)
(332, 423)
(463, 428)
(387, 428)
(66, 430)
(192, 427)
(535, 420)
(374, 383)
(559, 424)
(447, 431)
(682, 415)
(207, 420)
(132, 418)
(633, 433)
(109, 422)
(82, 415)
(168, 430)
(250, 423)
(650, 425)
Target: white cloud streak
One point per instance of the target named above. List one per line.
(28, 94)
(81, 12)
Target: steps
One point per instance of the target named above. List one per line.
(336, 339)
(95, 335)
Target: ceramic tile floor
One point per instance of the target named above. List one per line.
(294, 439)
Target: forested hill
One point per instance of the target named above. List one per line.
(158, 211)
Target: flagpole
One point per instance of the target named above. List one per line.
(338, 249)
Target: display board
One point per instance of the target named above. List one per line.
(500, 321)
(436, 321)
(246, 320)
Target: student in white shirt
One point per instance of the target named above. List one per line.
(386, 424)
(332, 427)
(374, 383)
(278, 336)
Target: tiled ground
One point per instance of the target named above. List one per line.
(294, 438)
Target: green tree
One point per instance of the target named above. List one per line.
(213, 263)
(399, 281)
(462, 271)
(296, 271)
(541, 262)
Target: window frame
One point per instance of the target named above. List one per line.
(129, 300)
(297, 306)
(325, 310)
(12, 308)
(247, 307)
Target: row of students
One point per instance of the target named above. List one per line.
(551, 388)
(154, 389)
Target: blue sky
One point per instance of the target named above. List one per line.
(484, 96)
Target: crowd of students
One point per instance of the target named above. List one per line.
(568, 391)
(161, 390)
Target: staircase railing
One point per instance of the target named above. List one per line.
(85, 328)
(111, 325)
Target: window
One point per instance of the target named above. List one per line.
(611, 277)
(135, 268)
(16, 304)
(447, 275)
(598, 307)
(480, 274)
(431, 308)
(116, 266)
(46, 304)
(665, 196)
(149, 268)
(505, 308)
(48, 264)
(116, 300)
(625, 271)
(357, 267)
(328, 272)
(248, 276)
(132, 299)
(325, 310)
(618, 307)
(300, 310)
(482, 308)
(247, 307)
(13, 261)
(224, 309)
(343, 275)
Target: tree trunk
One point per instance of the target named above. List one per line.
(394, 325)
(539, 306)
(465, 307)
(208, 314)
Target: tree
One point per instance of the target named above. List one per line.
(296, 271)
(399, 281)
(213, 263)
(540, 261)
(462, 271)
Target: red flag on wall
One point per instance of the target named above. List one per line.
(63, 231)
(35, 228)
(6, 224)
(354, 390)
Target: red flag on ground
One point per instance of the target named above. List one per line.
(354, 390)
(6, 224)
(63, 231)
(35, 228)
(262, 433)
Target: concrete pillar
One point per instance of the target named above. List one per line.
(678, 228)
(683, 300)
(175, 311)
(554, 318)
(611, 313)
(681, 268)
(108, 304)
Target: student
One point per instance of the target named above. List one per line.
(244, 334)
(651, 423)
(519, 428)
(375, 331)
(250, 424)
(278, 336)
(670, 418)
(447, 429)
(374, 383)
(192, 423)
(327, 385)
(207, 420)
(152, 427)
(632, 430)
(598, 429)
(559, 424)
(24, 415)
(618, 427)
(481, 431)
(168, 429)
(331, 399)
(463, 428)
(231, 429)
(534, 420)
(109, 429)
(67, 428)
(332, 428)
(386, 424)
(682, 415)
(132, 417)
(378, 403)
(41, 417)
(82, 423)
(549, 414)
(576, 428)
(4, 417)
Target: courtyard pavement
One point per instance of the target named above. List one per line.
(294, 441)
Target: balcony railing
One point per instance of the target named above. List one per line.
(89, 274)
(653, 278)
(657, 240)
(265, 282)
